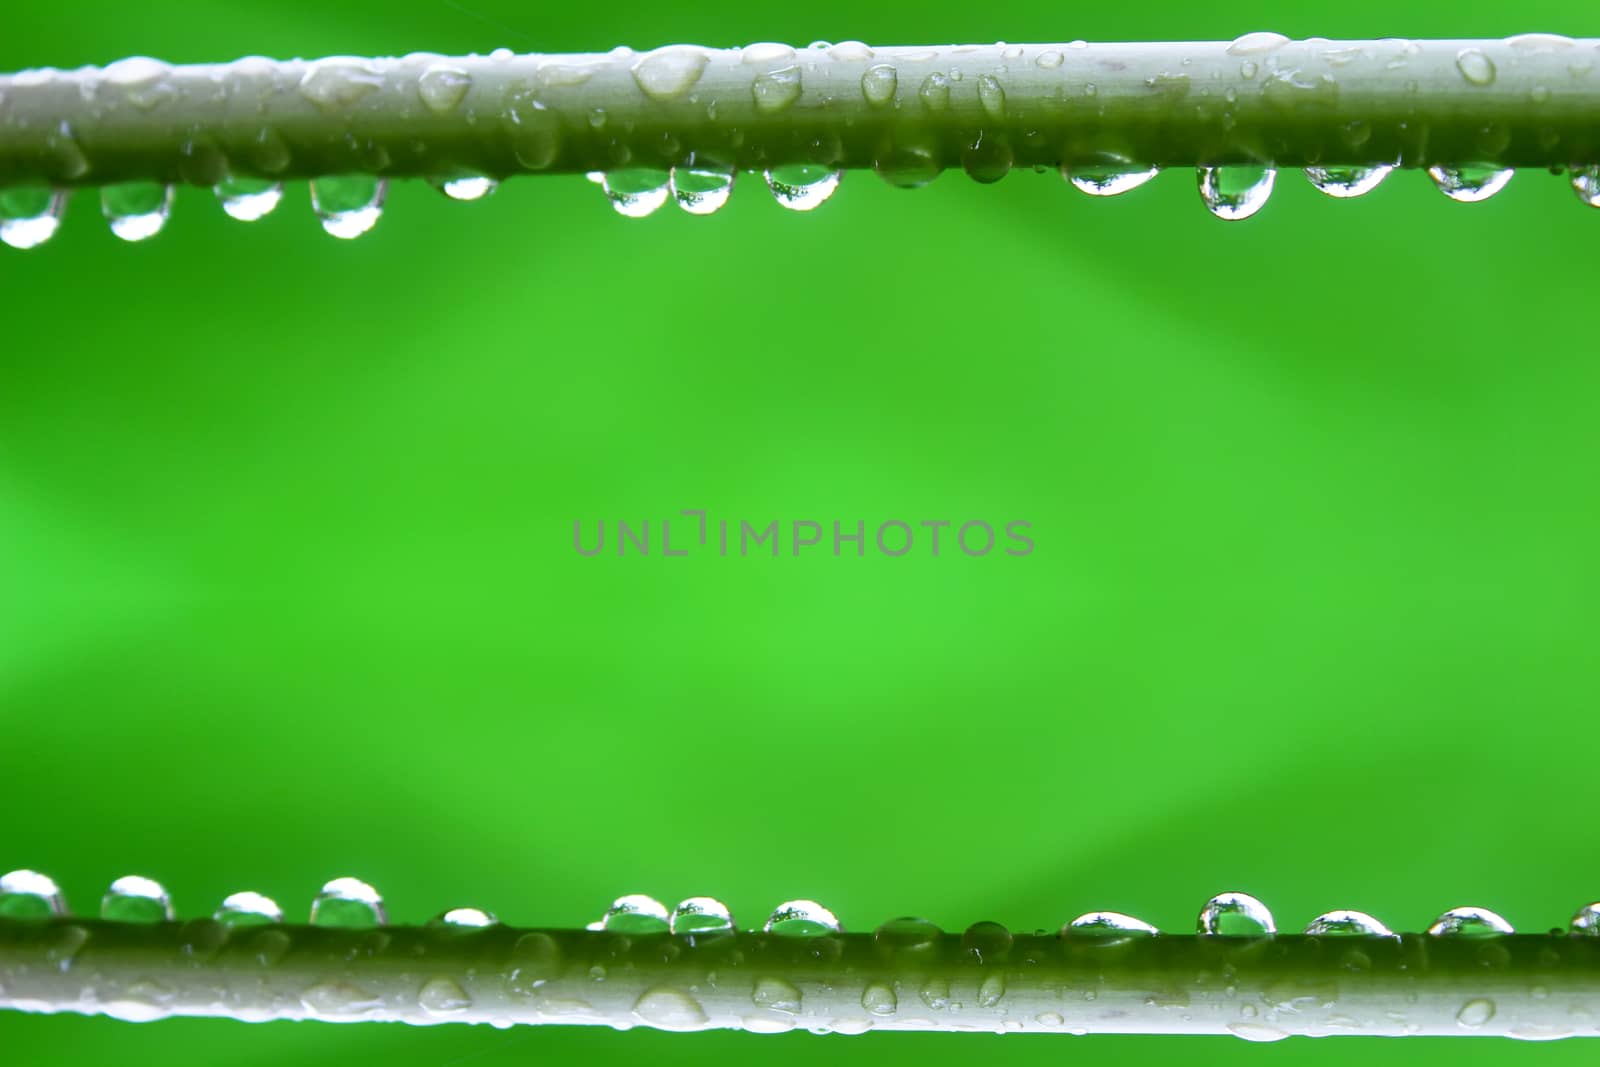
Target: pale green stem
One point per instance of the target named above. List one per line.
(1527, 986)
(1525, 101)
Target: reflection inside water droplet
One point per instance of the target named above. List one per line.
(801, 918)
(464, 919)
(30, 895)
(348, 206)
(1236, 192)
(1586, 183)
(802, 186)
(248, 909)
(348, 903)
(1586, 921)
(467, 187)
(1345, 182)
(699, 915)
(1108, 927)
(635, 914)
(701, 190)
(137, 211)
(136, 899)
(635, 193)
(1471, 183)
(30, 216)
(1470, 922)
(1235, 915)
(1346, 923)
(1107, 174)
(249, 199)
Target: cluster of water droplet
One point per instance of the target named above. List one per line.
(353, 904)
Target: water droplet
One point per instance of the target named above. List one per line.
(1539, 94)
(850, 52)
(1107, 174)
(991, 96)
(1474, 66)
(907, 164)
(776, 90)
(249, 199)
(666, 1008)
(269, 151)
(348, 206)
(988, 159)
(935, 92)
(1236, 915)
(1347, 924)
(986, 942)
(1236, 192)
(535, 959)
(1585, 182)
(142, 81)
(1469, 184)
(766, 53)
(339, 82)
(701, 915)
(338, 999)
(29, 894)
(1470, 922)
(248, 909)
(935, 993)
(1256, 1032)
(907, 938)
(667, 73)
(135, 899)
(879, 83)
(467, 187)
(801, 918)
(1049, 59)
(1474, 1013)
(701, 190)
(776, 994)
(992, 989)
(1252, 44)
(802, 186)
(30, 216)
(137, 211)
(879, 999)
(464, 919)
(1049, 1018)
(348, 903)
(442, 88)
(443, 996)
(1345, 182)
(1108, 927)
(634, 914)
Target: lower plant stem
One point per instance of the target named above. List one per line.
(1526, 101)
(1527, 986)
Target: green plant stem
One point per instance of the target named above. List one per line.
(1525, 101)
(1528, 986)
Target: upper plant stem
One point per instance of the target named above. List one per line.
(1525, 101)
(1528, 986)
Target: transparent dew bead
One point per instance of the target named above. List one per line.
(464, 919)
(30, 895)
(907, 938)
(802, 186)
(348, 206)
(634, 914)
(1585, 182)
(1236, 192)
(908, 164)
(135, 899)
(801, 918)
(248, 909)
(136, 211)
(467, 187)
(1470, 922)
(1346, 923)
(986, 942)
(1586, 922)
(1235, 915)
(1108, 927)
(1346, 182)
(348, 904)
(701, 190)
(1470, 184)
(636, 193)
(249, 199)
(701, 915)
(30, 216)
(1107, 175)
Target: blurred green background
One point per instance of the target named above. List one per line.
(287, 588)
